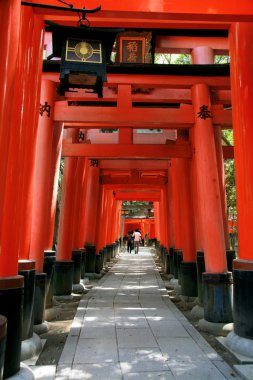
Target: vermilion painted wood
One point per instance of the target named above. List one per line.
(80, 187)
(41, 205)
(91, 204)
(113, 221)
(79, 242)
(162, 10)
(33, 55)
(132, 164)
(110, 219)
(156, 81)
(108, 205)
(242, 90)
(65, 229)
(208, 185)
(171, 220)
(54, 176)
(157, 221)
(135, 196)
(152, 231)
(164, 205)
(179, 45)
(126, 151)
(10, 25)
(220, 167)
(99, 238)
(205, 55)
(176, 203)
(196, 199)
(125, 114)
(163, 95)
(185, 211)
(111, 117)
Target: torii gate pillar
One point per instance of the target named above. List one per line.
(241, 49)
(90, 216)
(216, 280)
(40, 209)
(64, 264)
(21, 38)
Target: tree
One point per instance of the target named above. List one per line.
(229, 167)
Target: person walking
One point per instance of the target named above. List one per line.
(129, 241)
(137, 240)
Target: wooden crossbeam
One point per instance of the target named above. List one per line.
(137, 196)
(210, 10)
(130, 164)
(133, 151)
(130, 117)
(136, 117)
(128, 151)
(130, 180)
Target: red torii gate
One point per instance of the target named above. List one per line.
(19, 128)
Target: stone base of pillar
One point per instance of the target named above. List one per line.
(48, 268)
(63, 278)
(171, 260)
(243, 303)
(176, 253)
(217, 299)
(83, 251)
(98, 263)
(217, 329)
(59, 300)
(173, 283)
(79, 289)
(52, 313)
(40, 298)
(11, 295)
(239, 345)
(197, 312)
(179, 260)
(3, 333)
(109, 248)
(24, 373)
(190, 301)
(77, 265)
(31, 347)
(230, 258)
(41, 328)
(167, 263)
(26, 268)
(188, 278)
(200, 264)
(94, 276)
(90, 259)
(176, 293)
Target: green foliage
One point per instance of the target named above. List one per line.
(185, 59)
(59, 192)
(104, 130)
(229, 167)
(176, 59)
(221, 59)
(182, 59)
(230, 188)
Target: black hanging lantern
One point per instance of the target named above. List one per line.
(84, 52)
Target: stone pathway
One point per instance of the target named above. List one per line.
(126, 328)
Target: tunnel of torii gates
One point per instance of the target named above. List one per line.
(179, 169)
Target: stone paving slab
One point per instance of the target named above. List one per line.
(126, 328)
(44, 372)
(245, 371)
